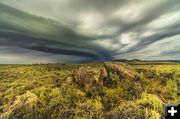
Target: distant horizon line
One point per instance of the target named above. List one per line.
(120, 60)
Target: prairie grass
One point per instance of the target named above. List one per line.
(51, 91)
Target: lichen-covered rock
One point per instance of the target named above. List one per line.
(88, 76)
(28, 99)
(102, 76)
(123, 70)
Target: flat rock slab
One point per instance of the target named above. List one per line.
(123, 70)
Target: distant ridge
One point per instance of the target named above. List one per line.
(138, 60)
(163, 60)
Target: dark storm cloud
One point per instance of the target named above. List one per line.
(94, 29)
(44, 45)
(27, 42)
(61, 41)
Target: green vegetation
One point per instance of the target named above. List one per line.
(110, 90)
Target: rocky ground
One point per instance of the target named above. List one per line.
(109, 90)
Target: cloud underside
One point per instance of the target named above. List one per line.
(43, 31)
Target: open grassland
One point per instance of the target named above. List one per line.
(88, 91)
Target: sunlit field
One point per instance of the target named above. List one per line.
(110, 90)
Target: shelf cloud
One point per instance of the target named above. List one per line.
(78, 31)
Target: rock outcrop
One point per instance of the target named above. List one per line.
(89, 76)
(28, 99)
(123, 70)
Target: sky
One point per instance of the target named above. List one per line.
(79, 31)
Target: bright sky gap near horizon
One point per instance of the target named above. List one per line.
(76, 31)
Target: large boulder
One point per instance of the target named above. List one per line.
(88, 76)
(123, 70)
